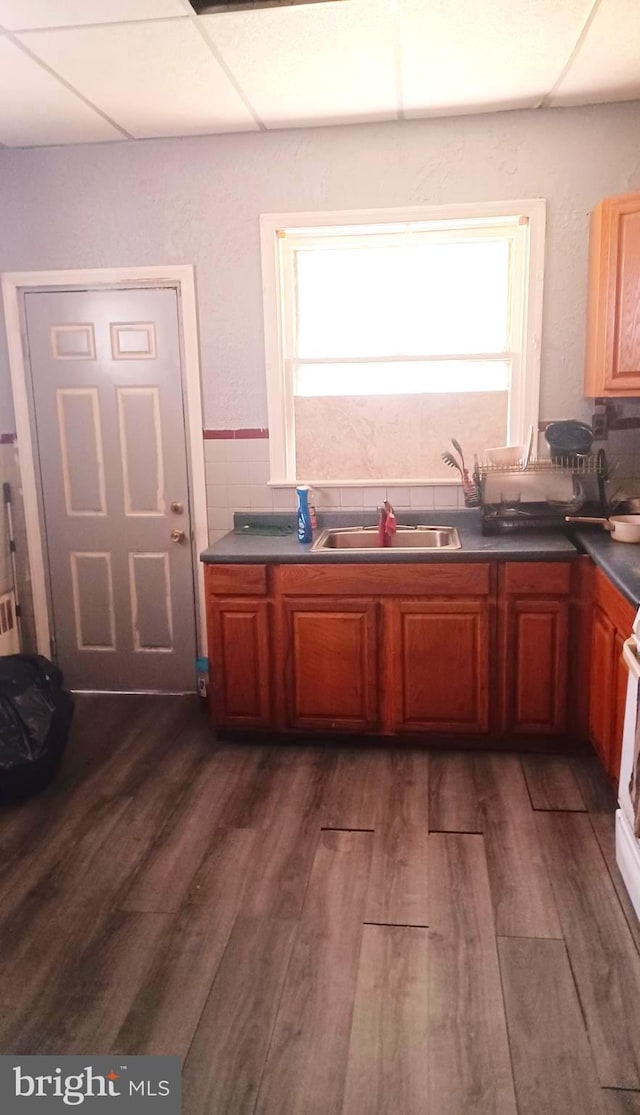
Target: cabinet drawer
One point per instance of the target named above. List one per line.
(386, 580)
(537, 578)
(236, 580)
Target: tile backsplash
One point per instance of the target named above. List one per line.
(237, 480)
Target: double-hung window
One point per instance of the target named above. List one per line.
(389, 332)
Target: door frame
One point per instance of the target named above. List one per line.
(179, 277)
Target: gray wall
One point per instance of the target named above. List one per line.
(198, 200)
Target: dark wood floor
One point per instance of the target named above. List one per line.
(319, 931)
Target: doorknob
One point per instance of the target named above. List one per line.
(177, 536)
(177, 508)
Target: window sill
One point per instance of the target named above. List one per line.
(422, 483)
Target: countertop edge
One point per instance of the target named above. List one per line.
(619, 561)
(386, 557)
(238, 547)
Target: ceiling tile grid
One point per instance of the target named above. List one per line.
(312, 64)
(74, 71)
(505, 54)
(154, 79)
(607, 64)
(36, 109)
(23, 15)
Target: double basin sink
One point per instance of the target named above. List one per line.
(418, 539)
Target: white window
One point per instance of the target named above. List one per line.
(388, 332)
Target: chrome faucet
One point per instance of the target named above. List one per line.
(386, 524)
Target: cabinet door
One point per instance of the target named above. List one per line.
(620, 679)
(535, 659)
(613, 313)
(601, 692)
(438, 665)
(240, 662)
(330, 665)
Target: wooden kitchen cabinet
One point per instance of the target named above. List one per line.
(438, 662)
(612, 620)
(239, 646)
(534, 614)
(612, 356)
(620, 679)
(601, 685)
(496, 650)
(360, 653)
(475, 649)
(330, 663)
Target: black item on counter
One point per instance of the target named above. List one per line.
(569, 439)
(35, 718)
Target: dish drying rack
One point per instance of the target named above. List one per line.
(511, 516)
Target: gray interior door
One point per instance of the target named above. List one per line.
(109, 422)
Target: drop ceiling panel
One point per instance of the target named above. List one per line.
(18, 15)
(36, 109)
(607, 65)
(324, 64)
(154, 79)
(457, 55)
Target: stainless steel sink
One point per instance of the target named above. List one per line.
(417, 538)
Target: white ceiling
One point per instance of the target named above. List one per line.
(83, 71)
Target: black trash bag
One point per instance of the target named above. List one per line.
(35, 718)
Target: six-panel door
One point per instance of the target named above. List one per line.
(110, 432)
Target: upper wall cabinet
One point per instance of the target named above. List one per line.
(612, 365)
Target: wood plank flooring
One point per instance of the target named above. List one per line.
(323, 931)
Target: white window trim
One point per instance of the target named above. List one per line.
(524, 404)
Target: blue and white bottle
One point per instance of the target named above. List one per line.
(305, 533)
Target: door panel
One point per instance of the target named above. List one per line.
(81, 451)
(92, 581)
(439, 662)
(626, 349)
(601, 685)
(109, 422)
(240, 663)
(620, 678)
(331, 663)
(152, 614)
(536, 652)
(142, 453)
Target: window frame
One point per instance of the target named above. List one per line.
(524, 395)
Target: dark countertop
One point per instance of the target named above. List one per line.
(245, 548)
(619, 560)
